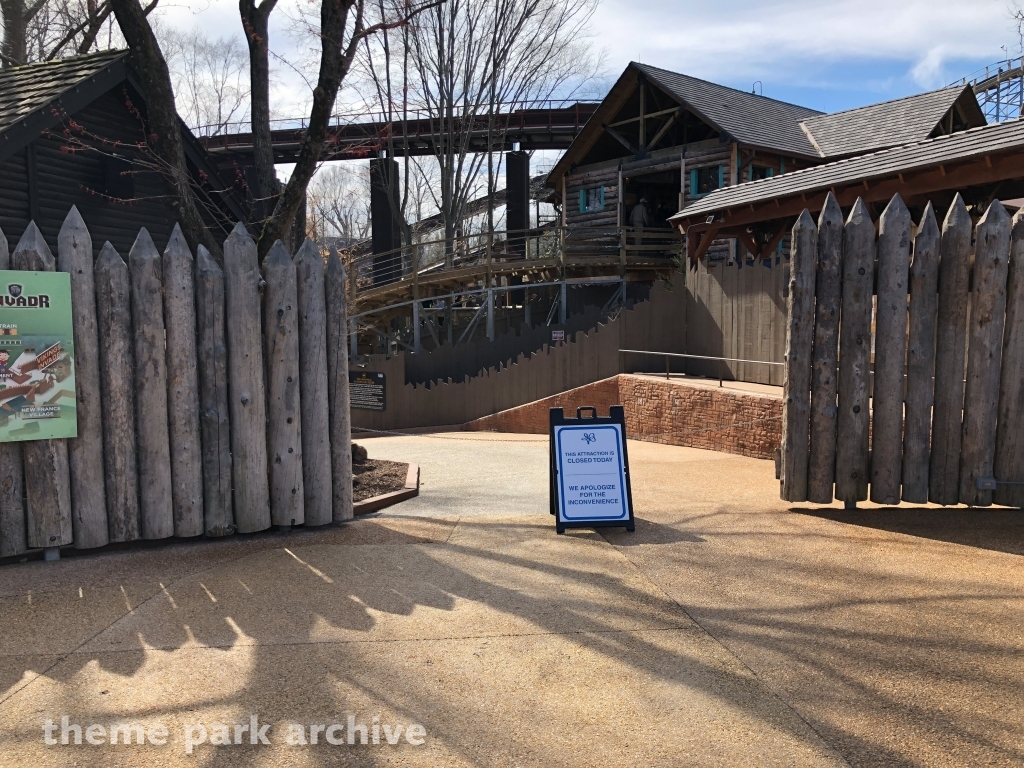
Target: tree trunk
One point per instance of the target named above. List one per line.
(163, 129)
(255, 21)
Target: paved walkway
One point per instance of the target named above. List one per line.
(727, 630)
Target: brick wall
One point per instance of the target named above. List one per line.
(671, 412)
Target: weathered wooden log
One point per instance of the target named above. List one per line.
(47, 476)
(984, 353)
(156, 511)
(183, 386)
(117, 376)
(316, 442)
(245, 383)
(825, 362)
(12, 501)
(12, 487)
(219, 519)
(284, 411)
(799, 339)
(950, 344)
(1009, 460)
(924, 301)
(855, 356)
(85, 452)
(337, 389)
(890, 352)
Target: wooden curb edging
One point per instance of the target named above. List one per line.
(374, 503)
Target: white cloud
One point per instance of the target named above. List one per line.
(788, 39)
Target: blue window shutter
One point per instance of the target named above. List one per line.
(693, 183)
(602, 198)
(782, 165)
(583, 201)
(721, 176)
(770, 172)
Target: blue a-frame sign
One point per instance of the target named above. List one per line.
(589, 470)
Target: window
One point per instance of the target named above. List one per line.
(759, 172)
(704, 180)
(592, 200)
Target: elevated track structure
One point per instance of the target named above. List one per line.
(531, 126)
(446, 289)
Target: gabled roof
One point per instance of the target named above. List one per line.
(951, 148)
(26, 89)
(888, 123)
(748, 118)
(35, 98)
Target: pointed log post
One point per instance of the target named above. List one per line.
(984, 353)
(245, 383)
(284, 411)
(950, 346)
(47, 476)
(1009, 461)
(825, 363)
(924, 302)
(799, 339)
(183, 386)
(855, 356)
(156, 510)
(12, 486)
(316, 442)
(337, 389)
(85, 452)
(212, 355)
(117, 377)
(890, 352)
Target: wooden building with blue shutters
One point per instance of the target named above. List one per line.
(73, 132)
(671, 139)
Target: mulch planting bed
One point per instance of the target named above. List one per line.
(375, 477)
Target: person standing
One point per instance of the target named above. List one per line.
(639, 218)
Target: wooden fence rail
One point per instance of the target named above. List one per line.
(183, 430)
(925, 401)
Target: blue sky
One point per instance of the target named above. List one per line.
(825, 55)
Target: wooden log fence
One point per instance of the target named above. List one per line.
(930, 388)
(189, 374)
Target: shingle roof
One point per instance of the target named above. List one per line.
(27, 88)
(976, 142)
(882, 125)
(748, 118)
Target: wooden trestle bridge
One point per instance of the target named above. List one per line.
(398, 294)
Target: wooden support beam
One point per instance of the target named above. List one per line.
(620, 138)
(772, 244)
(664, 129)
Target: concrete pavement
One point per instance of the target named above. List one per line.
(728, 630)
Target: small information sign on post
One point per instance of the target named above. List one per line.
(367, 390)
(590, 470)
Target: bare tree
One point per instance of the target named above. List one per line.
(41, 30)
(342, 26)
(256, 23)
(210, 79)
(463, 65)
(338, 204)
(164, 134)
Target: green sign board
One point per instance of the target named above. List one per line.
(37, 353)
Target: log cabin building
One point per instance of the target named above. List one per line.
(72, 132)
(671, 139)
(677, 141)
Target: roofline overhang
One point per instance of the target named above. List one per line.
(925, 179)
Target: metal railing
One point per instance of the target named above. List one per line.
(484, 250)
(669, 355)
